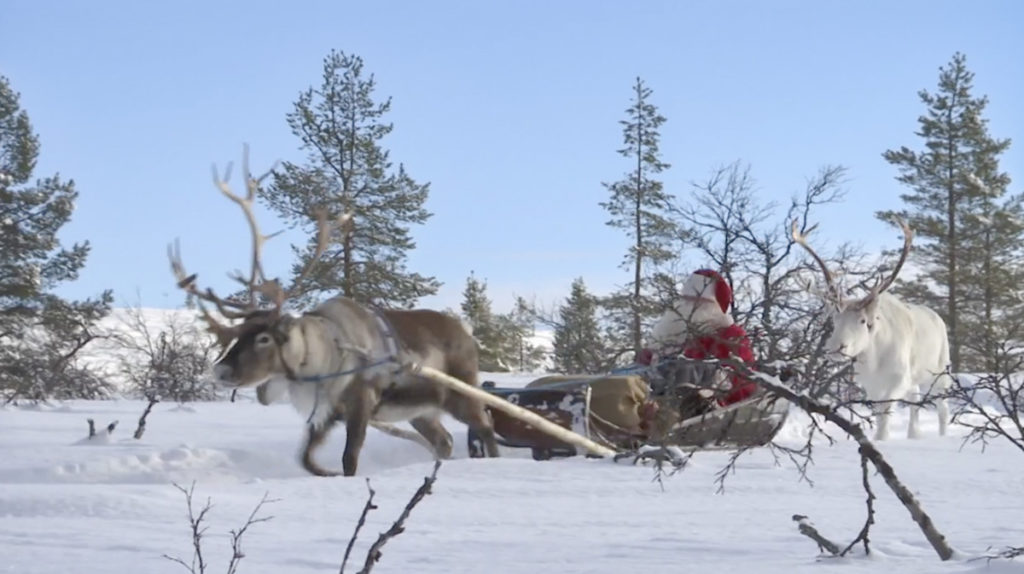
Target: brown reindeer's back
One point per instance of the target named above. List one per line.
(422, 331)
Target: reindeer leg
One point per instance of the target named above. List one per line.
(358, 405)
(472, 412)
(943, 410)
(881, 410)
(913, 430)
(315, 436)
(435, 433)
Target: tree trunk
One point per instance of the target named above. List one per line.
(637, 269)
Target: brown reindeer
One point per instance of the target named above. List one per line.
(342, 360)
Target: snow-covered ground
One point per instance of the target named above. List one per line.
(71, 505)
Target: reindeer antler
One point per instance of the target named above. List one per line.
(274, 290)
(256, 275)
(801, 238)
(908, 238)
(224, 333)
(256, 283)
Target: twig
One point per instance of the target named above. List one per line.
(92, 427)
(374, 554)
(197, 528)
(359, 525)
(236, 535)
(195, 523)
(660, 454)
(1011, 553)
(808, 530)
(142, 420)
(868, 451)
(862, 536)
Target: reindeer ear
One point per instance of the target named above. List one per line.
(283, 328)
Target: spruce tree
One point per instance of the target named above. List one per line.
(639, 205)
(992, 312)
(950, 212)
(340, 126)
(40, 333)
(476, 310)
(520, 330)
(578, 345)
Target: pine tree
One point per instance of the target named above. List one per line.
(520, 330)
(994, 247)
(341, 127)
(579, 345)
(40, 333)
(639, 205)
(948, 212)
(476, 310)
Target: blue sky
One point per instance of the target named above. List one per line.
(509, 109)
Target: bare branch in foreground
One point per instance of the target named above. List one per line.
(373, 555)
(195, 522)
(867, 450)
(862, 536)
(236, 535)
(1011, 553)
(359, 525)
(808, 530)
(661, 455)
(198, 564)
(992, 406)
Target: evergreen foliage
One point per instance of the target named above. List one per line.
(41, 334)
(638, 204)
(579, 346)
(341, 127)
(968, 232)
(504, 339)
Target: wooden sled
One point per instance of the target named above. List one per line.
(568, 408)
(673, 386)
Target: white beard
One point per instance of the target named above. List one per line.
(688, 319)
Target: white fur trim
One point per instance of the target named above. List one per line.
(700, 286)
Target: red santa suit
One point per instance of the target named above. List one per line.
(701, 327)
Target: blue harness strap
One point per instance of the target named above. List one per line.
(391, 342)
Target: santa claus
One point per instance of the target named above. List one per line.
(699, 326)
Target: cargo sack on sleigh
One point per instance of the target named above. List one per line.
(687, 393)
(673, 403)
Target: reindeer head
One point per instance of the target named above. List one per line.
(853, 321)
(252, 350)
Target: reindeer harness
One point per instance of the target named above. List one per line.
(394, 350)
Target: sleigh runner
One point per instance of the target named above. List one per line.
(670, 404)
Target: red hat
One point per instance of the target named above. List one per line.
(709, 285)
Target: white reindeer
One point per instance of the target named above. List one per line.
(898, 349)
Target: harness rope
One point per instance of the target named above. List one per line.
(394, 349)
